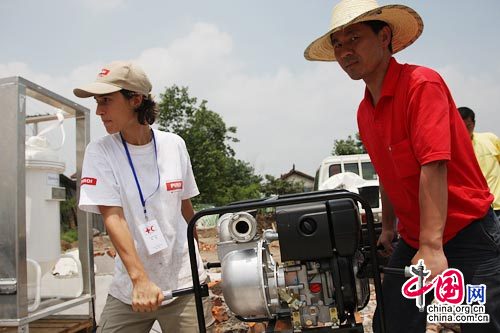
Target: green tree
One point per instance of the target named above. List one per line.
(273, 186)
(221, 178)
(349, 146)
(240, 183)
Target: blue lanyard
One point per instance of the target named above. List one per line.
(143, 201)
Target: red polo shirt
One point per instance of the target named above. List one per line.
(414, 123)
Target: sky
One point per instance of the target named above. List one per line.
(246, 59)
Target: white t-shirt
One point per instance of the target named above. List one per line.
(107, 180)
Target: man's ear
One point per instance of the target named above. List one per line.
(385, 36)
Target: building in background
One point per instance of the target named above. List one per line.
(296, 176)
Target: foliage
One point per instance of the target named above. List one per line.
(221, 178)
(240, 183)
(68, 213)
(349, 146)
(70, 235)
(278, 186)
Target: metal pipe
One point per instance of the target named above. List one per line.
(209, 265)
(169, 294)
(393, 271)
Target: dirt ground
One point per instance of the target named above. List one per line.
(225, 320)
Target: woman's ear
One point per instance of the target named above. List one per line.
(136, 100)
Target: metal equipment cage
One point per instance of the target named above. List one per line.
(13, 262)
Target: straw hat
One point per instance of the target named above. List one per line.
(114, 77)
(405, 23)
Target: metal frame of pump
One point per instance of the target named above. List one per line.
(315, 197)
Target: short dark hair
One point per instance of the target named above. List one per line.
(467, 113)
(376, 26)
(147, 111)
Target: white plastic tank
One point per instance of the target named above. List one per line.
(43, 196)
(43, 223)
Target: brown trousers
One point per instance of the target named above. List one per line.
(178, 316)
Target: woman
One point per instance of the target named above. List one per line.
(141, 181)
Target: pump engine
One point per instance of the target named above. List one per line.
(316, 286)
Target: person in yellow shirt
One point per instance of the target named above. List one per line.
(487, 149)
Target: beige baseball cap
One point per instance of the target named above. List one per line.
(114, 77)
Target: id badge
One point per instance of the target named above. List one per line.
(152, 237)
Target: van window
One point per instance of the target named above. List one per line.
(334, 169)
(368, 171)
(352, 167)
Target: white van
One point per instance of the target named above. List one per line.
(359, 164)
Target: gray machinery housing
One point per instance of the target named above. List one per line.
(316, 286)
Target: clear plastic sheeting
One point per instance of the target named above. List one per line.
(347, 181)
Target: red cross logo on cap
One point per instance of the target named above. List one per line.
(104, 72)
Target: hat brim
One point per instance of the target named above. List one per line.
(405, 23)
(95, 88)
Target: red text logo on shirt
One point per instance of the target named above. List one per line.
(174, 186)
(88, 181)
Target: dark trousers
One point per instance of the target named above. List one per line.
(475, 251)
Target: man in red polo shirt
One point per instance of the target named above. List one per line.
(430, 179)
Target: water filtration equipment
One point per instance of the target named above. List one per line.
(43, 197)
(29, 203)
